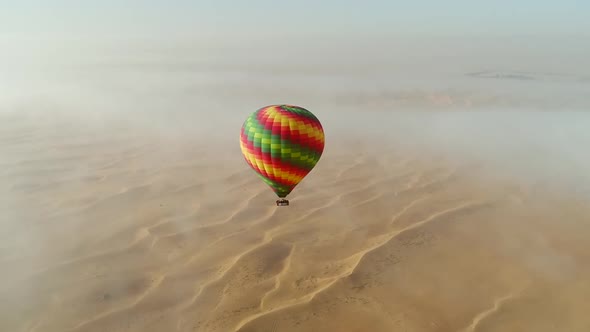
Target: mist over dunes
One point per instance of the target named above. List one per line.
(453, 193)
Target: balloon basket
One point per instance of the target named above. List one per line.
(282, 202)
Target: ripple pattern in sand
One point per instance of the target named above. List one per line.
(147, 239)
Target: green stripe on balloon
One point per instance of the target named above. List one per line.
(300, 111)
(308, 157)
(281, 190)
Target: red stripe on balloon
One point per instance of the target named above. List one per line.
(292, 134)
(277, 164)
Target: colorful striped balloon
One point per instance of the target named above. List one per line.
(282, 143)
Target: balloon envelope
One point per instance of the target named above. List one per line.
(282, 143)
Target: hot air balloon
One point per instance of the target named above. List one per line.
(282, 143)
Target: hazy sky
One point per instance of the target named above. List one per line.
(217, 17)
(536, 35)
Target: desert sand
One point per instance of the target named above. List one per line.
(453, 194)
(112, 225)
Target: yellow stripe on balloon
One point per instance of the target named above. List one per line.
(287, 177)
(302, 127)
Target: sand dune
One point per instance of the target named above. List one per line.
(111, 230)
